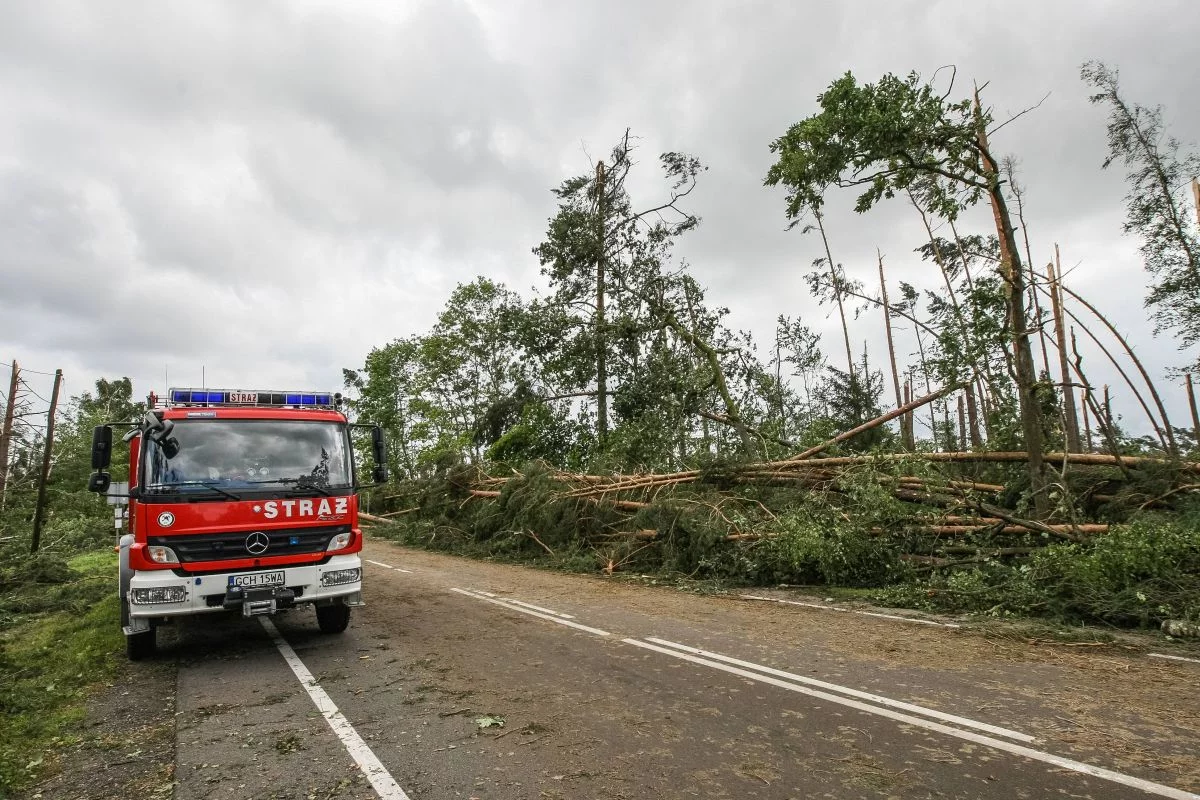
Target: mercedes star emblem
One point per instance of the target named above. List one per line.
(257, 543)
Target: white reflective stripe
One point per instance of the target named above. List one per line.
(538, 614)
(539, 608)
(896, 617)
(996, 744)
(846, 690)
(381, 780)
(1174, 658)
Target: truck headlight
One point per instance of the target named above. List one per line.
(340, 541)
(158, 594)
(337, 577)
(161, 555)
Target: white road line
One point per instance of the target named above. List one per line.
(1174, 658)
(987, 741)
(846, 690)
(385, 786)
(530, 612)
(387, 566)
(851, 611)
(539, 608)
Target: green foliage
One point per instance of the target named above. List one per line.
(888, 137)
(60, 633)
(1137, 575)
(1157, 210)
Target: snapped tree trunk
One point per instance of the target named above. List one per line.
(1060, 334)
(1023, 364)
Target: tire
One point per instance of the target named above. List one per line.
(333, 618)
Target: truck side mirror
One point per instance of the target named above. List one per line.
(379, 474)
(101, 446)
(378, 447)
(99, 482)
(170, 447)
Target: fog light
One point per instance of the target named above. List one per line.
(162, 555)
(340, 541)
(158, 594)
(337, 577)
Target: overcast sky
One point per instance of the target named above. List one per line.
(267, 190)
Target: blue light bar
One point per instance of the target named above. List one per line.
(255, 398)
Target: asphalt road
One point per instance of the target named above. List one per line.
(612, 690)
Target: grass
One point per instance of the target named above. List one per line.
(60, 639)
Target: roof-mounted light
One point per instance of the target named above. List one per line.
(257, 398)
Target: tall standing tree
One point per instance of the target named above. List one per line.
(901, 134)
(1158, 172)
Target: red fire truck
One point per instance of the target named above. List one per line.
(239, 501)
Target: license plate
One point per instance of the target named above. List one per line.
(257, 579)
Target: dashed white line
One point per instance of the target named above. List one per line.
(531, 612)
(539, 608)
(387, 566)
(896, 617)
(381, 780)
(970, 736)
(846, 690)
(1174, 658)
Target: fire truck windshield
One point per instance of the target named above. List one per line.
(251, 454)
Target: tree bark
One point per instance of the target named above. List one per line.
(1191, 393)
(40, 511)
(6, 432)
(837, 293)
(1014, 274)
(601, 344)
(1060, 334)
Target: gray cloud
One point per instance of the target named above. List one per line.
(268, 190)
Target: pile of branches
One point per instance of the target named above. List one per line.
(929, 510)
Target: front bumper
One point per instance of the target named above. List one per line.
(206, 593)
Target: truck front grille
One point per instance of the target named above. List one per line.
(192, 547)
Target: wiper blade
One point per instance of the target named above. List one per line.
(173, 488)
(300, 485)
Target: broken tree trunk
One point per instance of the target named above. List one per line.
(870, 424)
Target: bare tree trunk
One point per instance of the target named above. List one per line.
(1191, 393)
(1060, 334)
(1087, 390)
(973, 417)
(887, 324)
(1014, 274)
(7, 430)
(1010, 169)
(40, 511)
(1164, 431)
(962, 424)
(837, 293)
(925, 374)
(601, 343)
(908, 421)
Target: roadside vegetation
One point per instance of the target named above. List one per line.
(59, 632)
(60, 639)
(613, 421)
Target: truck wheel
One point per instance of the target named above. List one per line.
(334, 618)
